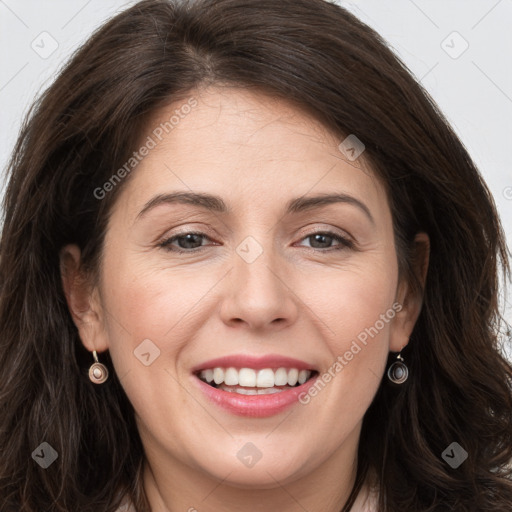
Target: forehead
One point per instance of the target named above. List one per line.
(248, 146)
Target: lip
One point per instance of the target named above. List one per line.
(272, 361)
(255, 406)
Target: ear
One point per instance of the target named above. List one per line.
(410, 297)
(83, 300)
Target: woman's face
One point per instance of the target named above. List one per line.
(270, 273)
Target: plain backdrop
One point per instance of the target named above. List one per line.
(460, 51)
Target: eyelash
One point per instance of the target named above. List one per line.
(345, 243)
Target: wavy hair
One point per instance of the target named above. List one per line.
(87, 124)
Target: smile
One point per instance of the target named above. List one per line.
(250, 381)
(256, 393)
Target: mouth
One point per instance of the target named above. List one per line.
(251, 381)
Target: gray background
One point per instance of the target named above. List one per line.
(460, 50)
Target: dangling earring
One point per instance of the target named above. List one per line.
(398, 371)
(98, 372)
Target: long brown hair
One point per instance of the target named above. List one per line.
(86, 126)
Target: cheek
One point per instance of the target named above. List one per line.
(155, 311)
(163, 311)
(151, 319)
(351, 301)
(168, 305)
(357, 309)
(361, 303)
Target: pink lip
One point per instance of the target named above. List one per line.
(256, 406)
(257, 363)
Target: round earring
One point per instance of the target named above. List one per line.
(398, 371)
(98, 372)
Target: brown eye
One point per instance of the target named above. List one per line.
(186, 242)
(324, 240)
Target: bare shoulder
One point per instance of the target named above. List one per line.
(367, 500)
(126, 507)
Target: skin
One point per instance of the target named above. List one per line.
(302, 298)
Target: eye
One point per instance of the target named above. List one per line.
(324, 239)
(192, 242)
(187, 242)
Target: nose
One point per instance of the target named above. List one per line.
(259, 294)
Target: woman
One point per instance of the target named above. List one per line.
(247, 265)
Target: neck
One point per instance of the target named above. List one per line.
(173, 486)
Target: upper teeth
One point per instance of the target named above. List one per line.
(248, 377)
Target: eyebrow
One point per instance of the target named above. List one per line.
(216, 204)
